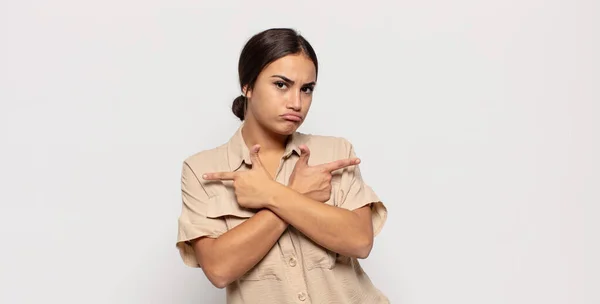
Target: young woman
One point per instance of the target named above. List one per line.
(275, 215)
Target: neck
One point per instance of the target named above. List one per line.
(269, 142)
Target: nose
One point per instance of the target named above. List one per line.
(295, 102)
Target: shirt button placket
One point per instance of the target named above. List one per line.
(295, 268)
(302, 296)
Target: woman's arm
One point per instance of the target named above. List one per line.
(232, 254)
(346, 232)
(236, 251)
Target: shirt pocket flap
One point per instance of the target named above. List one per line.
(226, 205)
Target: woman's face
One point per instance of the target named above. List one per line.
(282, 94)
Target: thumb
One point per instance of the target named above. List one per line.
(256, 163)
(304, 155)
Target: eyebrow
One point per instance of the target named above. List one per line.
(292, 82)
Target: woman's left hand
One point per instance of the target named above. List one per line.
(253, 188)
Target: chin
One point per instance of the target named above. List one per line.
(286, 127)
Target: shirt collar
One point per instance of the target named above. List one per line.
(238, 152)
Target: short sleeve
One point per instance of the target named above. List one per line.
(356, 194)
(193, 221)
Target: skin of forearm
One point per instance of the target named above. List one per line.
(337, 229)
(232, 254)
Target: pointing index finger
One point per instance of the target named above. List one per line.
(219, 176)
(342, 163)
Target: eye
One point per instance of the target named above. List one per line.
(280, 84)
(308, 90)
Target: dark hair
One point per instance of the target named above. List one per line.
(262, 49)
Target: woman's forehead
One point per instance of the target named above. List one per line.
(297, 67)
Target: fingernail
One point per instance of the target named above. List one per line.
(204, 176)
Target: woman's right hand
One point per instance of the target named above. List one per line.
(315, 181)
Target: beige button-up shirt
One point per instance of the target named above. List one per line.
(296, 269)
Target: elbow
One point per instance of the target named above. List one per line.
(218, 272)
(363, 248)
(218, 276)
(363, 253)
(219, 282)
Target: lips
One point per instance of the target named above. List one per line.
(292, 117)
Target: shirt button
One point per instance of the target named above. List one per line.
(292, 262)
(301, 296)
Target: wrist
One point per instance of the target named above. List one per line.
(295, 189)
(274, 200)
(270, 214)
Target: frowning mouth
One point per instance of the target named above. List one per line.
(292, 117)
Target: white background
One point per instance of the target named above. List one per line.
(477, 123)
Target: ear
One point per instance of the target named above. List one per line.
(247, 92)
